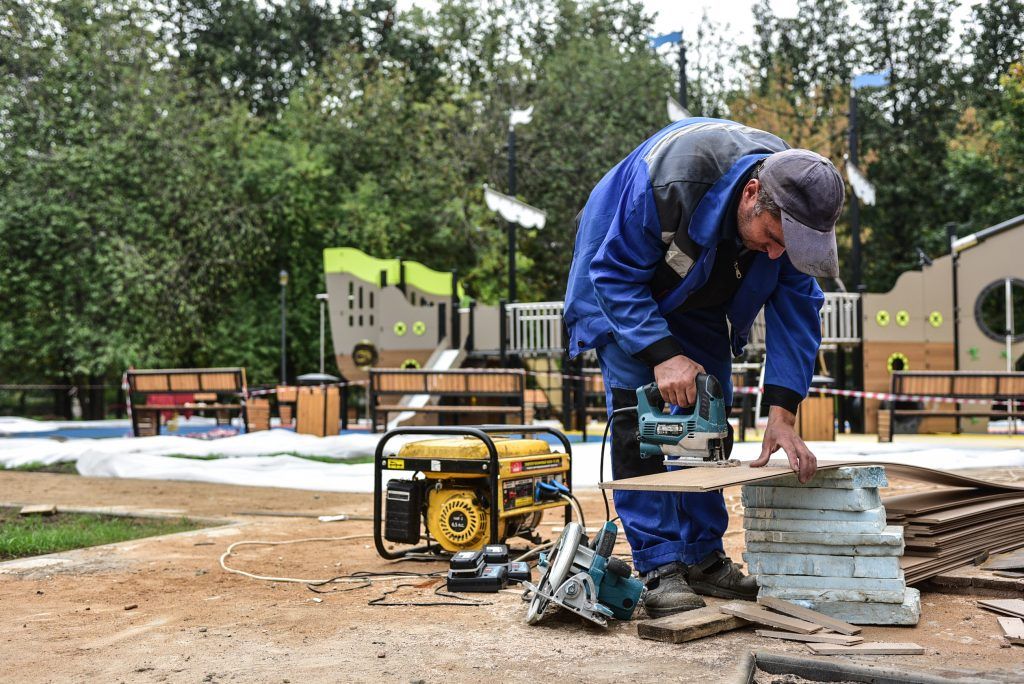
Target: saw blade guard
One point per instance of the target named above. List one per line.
(559, 564)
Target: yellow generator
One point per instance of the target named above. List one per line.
(475, 486)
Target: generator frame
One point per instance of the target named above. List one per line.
(489, 467)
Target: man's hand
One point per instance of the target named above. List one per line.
(677, 380)
(781, 433)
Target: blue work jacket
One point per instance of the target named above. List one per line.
(684, 179)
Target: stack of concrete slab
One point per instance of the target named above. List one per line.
(825, 545)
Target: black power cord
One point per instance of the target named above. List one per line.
(604, 440)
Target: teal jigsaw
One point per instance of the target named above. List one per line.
(691, 440)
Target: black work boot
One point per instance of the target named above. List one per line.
(668, 592)
(716, 575)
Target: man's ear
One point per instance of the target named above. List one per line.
(750, 190)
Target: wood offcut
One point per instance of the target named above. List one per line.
(801, 613)
(870, 648)
(693, 624)
(753, 613)
(819, 638)
(1013, 629)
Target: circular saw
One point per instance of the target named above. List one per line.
(586, 580)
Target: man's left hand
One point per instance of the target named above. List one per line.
(781, 433)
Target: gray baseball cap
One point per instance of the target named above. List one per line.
(810, 193)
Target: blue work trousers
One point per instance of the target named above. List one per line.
(664, 527)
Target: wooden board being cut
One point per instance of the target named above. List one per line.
(710, 479)
(693, 624)
(801, 613)
(872, 648)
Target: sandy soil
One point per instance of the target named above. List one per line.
(66, 617)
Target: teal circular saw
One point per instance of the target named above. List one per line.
(585, 578)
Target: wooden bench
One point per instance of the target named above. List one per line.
(989, 387)
(219, 391)
(466, 392)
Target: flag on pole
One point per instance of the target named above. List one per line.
(520, 116)
(862, 187)
(658, 41)
(676, 111)
(511, 209)
(876, 80)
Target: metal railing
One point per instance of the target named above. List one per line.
(536, 327)
(840, 323)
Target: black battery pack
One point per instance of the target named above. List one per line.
(404, 499)
(465, 561)
(491, 579)
(519, 572)
(496, 554)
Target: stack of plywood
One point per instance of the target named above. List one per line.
(826, 545)
(948, 528)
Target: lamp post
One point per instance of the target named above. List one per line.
(515, 116)
(322, 298)
(282, 278)
(681, 109)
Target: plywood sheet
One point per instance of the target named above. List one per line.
(711, 478)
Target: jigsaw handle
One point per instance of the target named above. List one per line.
(708, 389)
(653, 396)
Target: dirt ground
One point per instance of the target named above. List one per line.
(67, 617)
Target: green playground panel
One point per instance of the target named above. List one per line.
(365, 267)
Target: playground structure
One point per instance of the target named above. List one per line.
(956, 313)
(392, 313)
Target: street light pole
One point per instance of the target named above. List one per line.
(855, 246)
(283, 280)
(322, 298)
(511, 225)
(682, 74)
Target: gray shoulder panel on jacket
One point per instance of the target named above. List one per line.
(684, 165)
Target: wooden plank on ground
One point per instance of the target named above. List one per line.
(799, 612)
(693, 624)
(754, 613)
(38, 509)
(1013, 629)
(870, 648)
(1005, 561)
(711, 478)
(1011, 607)
(819, 638)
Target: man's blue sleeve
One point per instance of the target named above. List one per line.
(621, 273)
(792, 335)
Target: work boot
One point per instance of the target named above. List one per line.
(716, 575)
(668, 592)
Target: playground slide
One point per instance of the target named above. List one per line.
(442, 359)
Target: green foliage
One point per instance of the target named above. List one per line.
(36, 535)
(161, 162)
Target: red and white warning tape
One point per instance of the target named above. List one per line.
(273, 390)
(885, 396)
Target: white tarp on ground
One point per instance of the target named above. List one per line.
(15, 452)
(267, 458)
